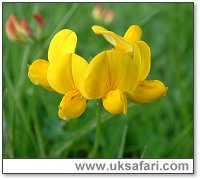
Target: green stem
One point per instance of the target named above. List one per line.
(25, 59)
(123, 140)
(38, 134)
(20, 108)
(143, 152)
(98, 131)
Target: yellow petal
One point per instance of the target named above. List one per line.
(96, 77)
(72, 105)
(148, 91)
(145, 59)
(111, 70)
(63, 42)
(79, 67)
(115, 102)
(59, 74)
(37, 73)
(133, 34)
(114, 39)
(135, 69)
(122, 70)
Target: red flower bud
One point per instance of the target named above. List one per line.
(26, 27)
(13, 28)
(39, 19)
(10, 30)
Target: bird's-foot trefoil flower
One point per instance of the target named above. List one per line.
(63, 42)
(112, 76)
(146, 90)
(63, 73)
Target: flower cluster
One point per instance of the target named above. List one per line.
(103, 15)
(113, 75)
(21, 31)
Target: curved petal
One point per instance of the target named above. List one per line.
(111, 70)
(114, 39)
(145, 59)
(63, 42)
(115, 102)
(72, 105)
(37, 73)
(135, 69)
(59, 74)
(96, 77)
(123, 71)
(148, 91)
(79, 67)
(133, 34)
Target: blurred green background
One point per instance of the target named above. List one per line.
(162, 129)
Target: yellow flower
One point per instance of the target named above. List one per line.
(146, 90)
(63, 42)
(112, 76)
(63, 73)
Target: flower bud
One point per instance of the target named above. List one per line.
(102, 14)
(109, 16)
(26, 27)
(16, 31)
(40, 20)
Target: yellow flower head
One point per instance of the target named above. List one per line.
(144, 91)
(112, 76)
(63, 73)
(127, 44)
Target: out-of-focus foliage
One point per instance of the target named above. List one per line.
(163, 129)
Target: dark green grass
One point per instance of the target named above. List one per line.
(162, 129)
